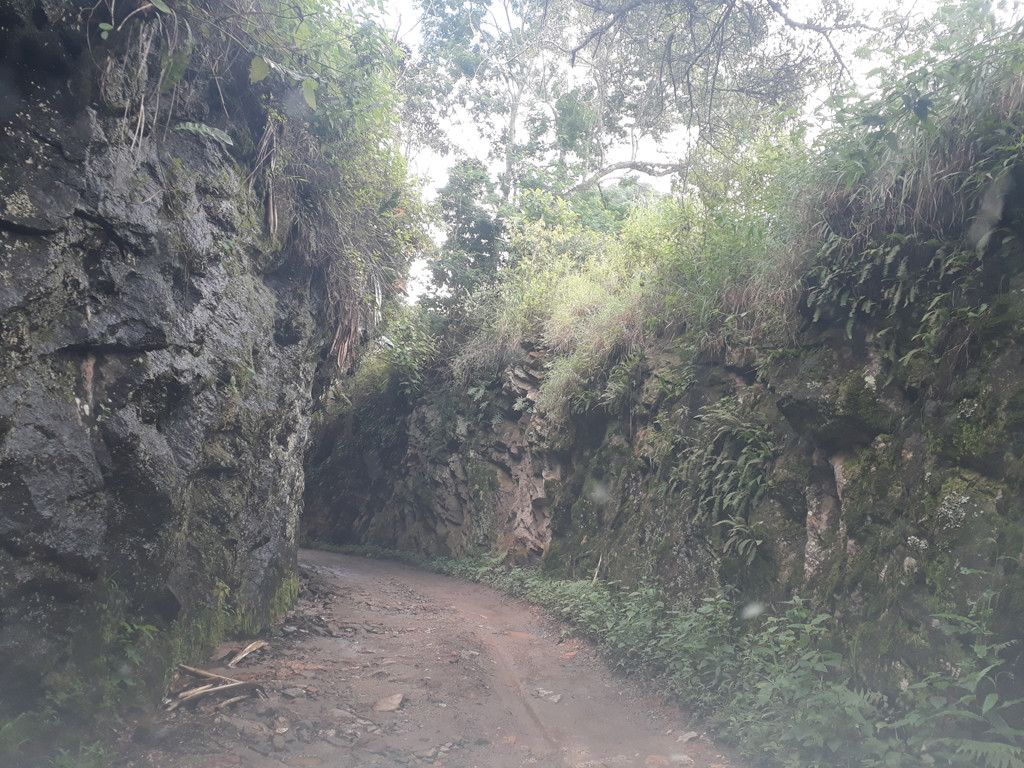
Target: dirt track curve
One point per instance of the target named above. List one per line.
(385, 665)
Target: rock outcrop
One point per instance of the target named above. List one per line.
(157, 352)
(887, 487)
(455, 482)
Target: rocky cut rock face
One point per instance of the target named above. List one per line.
(884, 483)
(156, 358)
(463, 475)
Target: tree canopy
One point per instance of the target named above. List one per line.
(578, 97)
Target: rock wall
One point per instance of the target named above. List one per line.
(156, 359)
(464, 475)
(880, 478)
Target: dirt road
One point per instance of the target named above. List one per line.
(385, 665)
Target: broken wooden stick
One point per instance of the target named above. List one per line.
(255, 645)
(207, 690)
(188, 693)
(233, 700)
(206, 673)
(221, 685)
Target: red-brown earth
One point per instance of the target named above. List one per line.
(382, 665)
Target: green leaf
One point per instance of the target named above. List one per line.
(990, 701)
(309, 92)
(205, 130)
(175, 66)
(258, 70)
(160, 5)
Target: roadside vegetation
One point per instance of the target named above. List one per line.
(773, 679)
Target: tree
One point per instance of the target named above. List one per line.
(472, 254)
(567, 92)
(569, 95)
(714, 69)
(489, 64)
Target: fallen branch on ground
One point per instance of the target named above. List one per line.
(222, 685)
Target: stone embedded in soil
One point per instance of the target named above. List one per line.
(551, 696)
(247, 728)
(389, 703)
(221, 761)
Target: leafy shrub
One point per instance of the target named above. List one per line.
(728, 477)
(913, 174)
(396, 363)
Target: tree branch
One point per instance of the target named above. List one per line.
(810, 26)
(650, 169)
(824, 31)
(616, 15)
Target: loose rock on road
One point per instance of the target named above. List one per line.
(383, 665)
